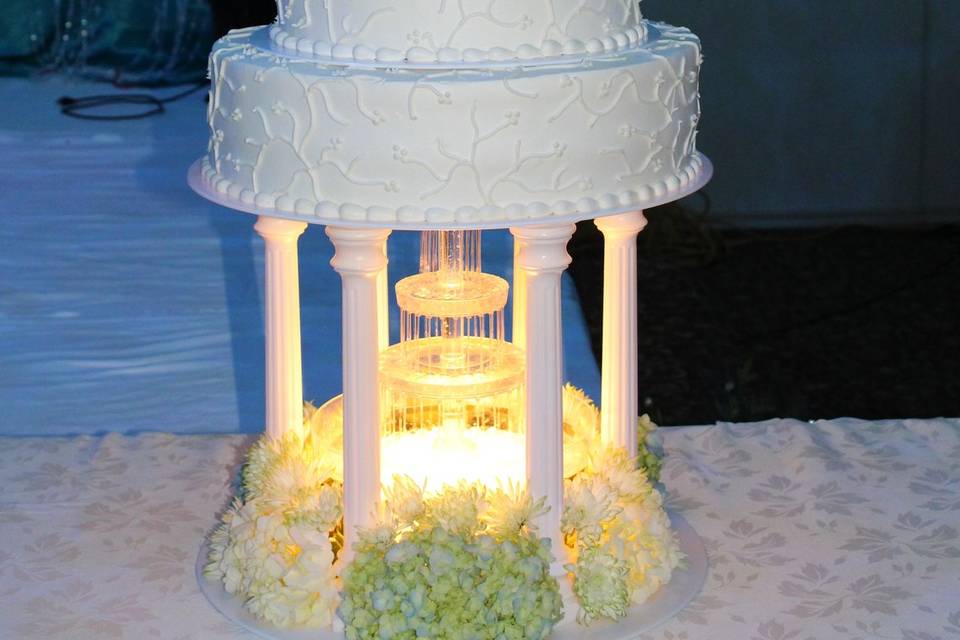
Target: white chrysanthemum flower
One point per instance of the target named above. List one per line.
(262, 458)
(403, 501)
(581, 430)
(286, 480)
(641, 536)
(219, 542)
(321, 507)
(588, 505)
(304, 593)
(302, 491)
(511, 510)
(308, 537)
(613, 516)
(620, 472)
(457, 508)
(314, 455)
(380, 536)
(236, 534)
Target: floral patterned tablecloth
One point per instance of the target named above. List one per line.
(833, 529)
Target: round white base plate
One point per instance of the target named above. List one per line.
(199, 185)
(666, 603)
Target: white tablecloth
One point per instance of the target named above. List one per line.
(833, 529)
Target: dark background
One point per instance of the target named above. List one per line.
(750, 324)
(231, 14)
(819, 111)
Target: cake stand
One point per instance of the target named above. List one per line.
(539, 262)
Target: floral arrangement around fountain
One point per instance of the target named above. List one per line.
(436, 562)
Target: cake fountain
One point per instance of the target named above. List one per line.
(448, 141)
(453, 386)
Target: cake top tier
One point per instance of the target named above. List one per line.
(455, 30)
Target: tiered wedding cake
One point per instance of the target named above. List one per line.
(451, 115)
(470, 112)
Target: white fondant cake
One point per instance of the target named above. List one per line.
(482, 144)
(455, 30)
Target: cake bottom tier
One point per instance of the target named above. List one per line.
(331, 143)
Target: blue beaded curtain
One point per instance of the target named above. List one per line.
(128, 42)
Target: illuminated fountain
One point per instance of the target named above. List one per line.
(451, 389)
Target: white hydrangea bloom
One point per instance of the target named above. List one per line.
(284, 569)
(273, 548)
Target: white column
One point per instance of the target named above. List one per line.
(360, 260)
(284, 375)
(541, 260)
(618, 395)
(519, 298)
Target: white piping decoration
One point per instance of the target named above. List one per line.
(373, 115)
(479, 15)
(521, 94)
(443, 97)
(530, 53)
(351, 33)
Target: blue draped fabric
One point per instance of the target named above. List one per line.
(142, 42)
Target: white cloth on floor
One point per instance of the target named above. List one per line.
(128, 303)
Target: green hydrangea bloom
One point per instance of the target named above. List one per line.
(447, 577)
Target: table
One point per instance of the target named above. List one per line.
(839, 528)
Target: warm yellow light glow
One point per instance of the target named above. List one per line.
(437, 457)
(451, 391)
(480, 448)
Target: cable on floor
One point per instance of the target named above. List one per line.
(79, 107)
